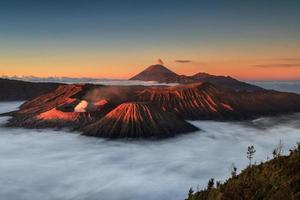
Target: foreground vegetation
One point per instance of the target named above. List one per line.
(277, 179)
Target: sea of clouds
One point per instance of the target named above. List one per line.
(286, 86)
(48, 164)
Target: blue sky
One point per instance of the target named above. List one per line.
(42, 34)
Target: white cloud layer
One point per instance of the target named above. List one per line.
(46, 164)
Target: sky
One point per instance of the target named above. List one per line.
(249, 40)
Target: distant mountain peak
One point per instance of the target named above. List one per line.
(159, 68)
(162, 74)
(201, 74)
(156, 72)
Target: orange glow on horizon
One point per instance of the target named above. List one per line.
(240, 69)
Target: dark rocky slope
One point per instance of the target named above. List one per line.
(15, 90)
(54, 109)
(138, 120)
(277, 179)
(225, 81)
(207, 101)
(193, 101)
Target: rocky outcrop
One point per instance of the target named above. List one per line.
(15, 90)
(138, 120)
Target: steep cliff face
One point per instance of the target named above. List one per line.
(14, 90)
(138, 120)
(62, 95)
(54, 109)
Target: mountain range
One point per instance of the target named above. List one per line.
(162, 74)
(142, 111)
(149, 111)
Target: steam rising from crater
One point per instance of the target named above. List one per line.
(107, 93)
(81, 107)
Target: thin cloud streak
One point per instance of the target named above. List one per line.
(183, 61)
(290, 59)
(284, 65)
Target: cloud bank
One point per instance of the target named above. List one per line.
(47, 164)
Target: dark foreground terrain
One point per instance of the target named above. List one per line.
(277, 179)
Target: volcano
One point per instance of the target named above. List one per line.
(162, 74)
(155, 73)
(135, 120)
(147, 111)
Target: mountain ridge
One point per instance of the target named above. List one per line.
(162, 74)
(17, 90)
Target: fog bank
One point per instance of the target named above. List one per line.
(285, 86)
(47, 164)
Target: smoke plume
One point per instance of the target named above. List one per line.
(159, 61)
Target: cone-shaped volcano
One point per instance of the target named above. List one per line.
(162, 74)
(138, 120)
(155, 73)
